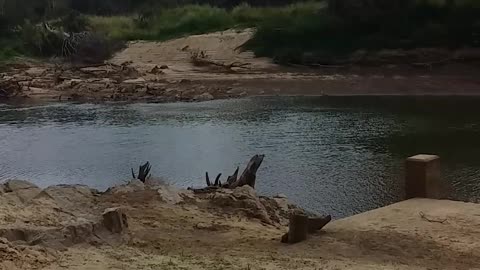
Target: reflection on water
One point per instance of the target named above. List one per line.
(335, 155)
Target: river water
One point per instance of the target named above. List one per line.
(330, 155)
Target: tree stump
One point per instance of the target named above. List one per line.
(115, 220)
(298, 228)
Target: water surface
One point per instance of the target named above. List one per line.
(330, 155)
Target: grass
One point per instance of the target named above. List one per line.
(191, 20)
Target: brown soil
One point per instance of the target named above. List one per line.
(166, 71)
(60, 228)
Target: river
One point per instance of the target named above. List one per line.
(337, 155)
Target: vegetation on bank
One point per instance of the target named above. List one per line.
(326, 31)
(332, 35)
(194, 19)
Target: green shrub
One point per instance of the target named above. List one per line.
(38, 41)
(327, 34)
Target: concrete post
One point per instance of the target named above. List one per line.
(422, 177)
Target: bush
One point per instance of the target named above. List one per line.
(94, 48)
(38, 41)
(327, 34)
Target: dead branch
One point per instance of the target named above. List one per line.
(143, 172)
(248, 177)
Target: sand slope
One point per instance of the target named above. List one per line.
(175, 229)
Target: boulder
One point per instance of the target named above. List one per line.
(245, 200)
(172, 195)
(23, 190)
(70, 197)
(115, 220)
(14, 185)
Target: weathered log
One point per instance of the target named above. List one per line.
(317, 223)
(298, 228)
(232, 178)
(249, 174)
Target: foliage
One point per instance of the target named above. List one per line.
(323, 31)
(326, 35)
(191, 19)
(38, 41)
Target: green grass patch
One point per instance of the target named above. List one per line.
(192, 19)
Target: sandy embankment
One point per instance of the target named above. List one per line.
(60, 228)
(164, 72)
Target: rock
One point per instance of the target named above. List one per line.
(23, 190)
(136, 184)
(35, 71)
(70, 197)
(163, 67)
(204, 97)
(74, 82)
(172, 195)
(244, 193)
(155, 70)
(135, 81)
(115, 220)
(280, 195)
(133, 185)
(14, 185)
(79, 232)
(243, 199)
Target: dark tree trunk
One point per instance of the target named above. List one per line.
(249, 175)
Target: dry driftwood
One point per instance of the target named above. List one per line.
(248, 177)
(201, 59)
(143, 172)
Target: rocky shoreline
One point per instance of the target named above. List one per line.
(102, 83)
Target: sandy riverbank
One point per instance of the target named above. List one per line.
(168, 71)
(60, 228)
